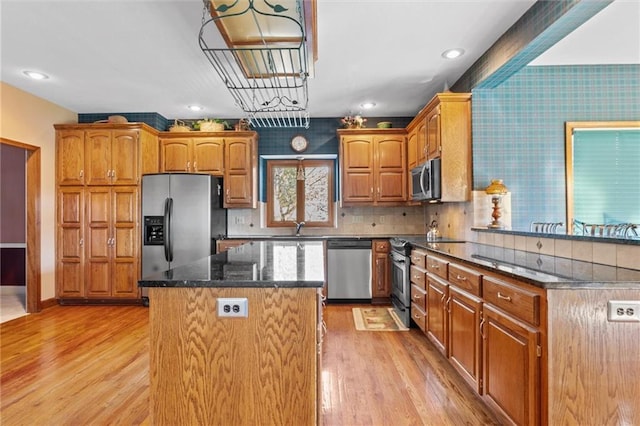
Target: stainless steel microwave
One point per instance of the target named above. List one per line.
(426, 181)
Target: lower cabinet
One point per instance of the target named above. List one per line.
(381, 273)
(464, 315)
(98, 240)
(437, 324)
(488, 328)
(511, 367)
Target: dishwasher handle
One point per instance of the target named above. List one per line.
(337, 244)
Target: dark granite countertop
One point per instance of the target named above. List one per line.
(281, 263)
(535, 268)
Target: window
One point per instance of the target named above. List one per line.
(300, 191)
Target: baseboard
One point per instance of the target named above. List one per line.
(67, 301)
(48, 303)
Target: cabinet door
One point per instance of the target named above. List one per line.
(208, 156)
(464, 335)
(70, 243)
(357, 169)
(98, 157)
(436, 313)
(125, 242)
(412, 149)
(70, 157)
(421, 150)
(98, 245)
(238, 176)
(511, 367)
(390, 168)
(433, 134)
(175, 155)
(124, 157)
(381, 270)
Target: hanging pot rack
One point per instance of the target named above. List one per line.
(259, 51)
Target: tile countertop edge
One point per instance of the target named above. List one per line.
(552, 282)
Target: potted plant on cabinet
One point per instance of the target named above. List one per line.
(210, 125)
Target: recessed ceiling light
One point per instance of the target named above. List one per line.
(195, 107)
(368, 105)
(452, 53)
(36, 75)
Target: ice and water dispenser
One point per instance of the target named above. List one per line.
(153, 230)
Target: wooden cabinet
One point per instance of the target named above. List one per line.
(231, 155)
(437, 325)
(443, 129)
(464, 315)
(373, 167)
(98, 240)
(511, 367)
(240, 175)
(192, 155)
(105, 155)
(412, 148)
(112, 239)
(70, 242)
(70, 157)
(99, 168)
(381, 274)
(111, 157)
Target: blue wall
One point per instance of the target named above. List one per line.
(518, 130)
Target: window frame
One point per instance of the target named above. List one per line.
(300, 205)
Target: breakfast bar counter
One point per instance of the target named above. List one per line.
(235, 338)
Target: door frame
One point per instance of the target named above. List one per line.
(34, 291)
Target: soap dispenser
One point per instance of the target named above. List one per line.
(433, 233)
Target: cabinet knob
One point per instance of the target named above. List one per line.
(113, 175)
(188, 165)
(81, 242)
(195, 166)
(461, 278)
(81, 173)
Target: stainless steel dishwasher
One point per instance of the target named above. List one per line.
(349, 269)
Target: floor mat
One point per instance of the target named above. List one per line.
(377, 319)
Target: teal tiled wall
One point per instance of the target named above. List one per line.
(518, 130)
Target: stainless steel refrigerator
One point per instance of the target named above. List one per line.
(182, 219)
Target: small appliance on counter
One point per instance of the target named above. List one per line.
(182, 218)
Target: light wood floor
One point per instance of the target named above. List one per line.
(85, 365)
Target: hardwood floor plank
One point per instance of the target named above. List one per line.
(90, 365)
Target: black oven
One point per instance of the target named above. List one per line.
(400, 283)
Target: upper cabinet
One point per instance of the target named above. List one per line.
(105, 154)
(443, 129)
(232, 155)
(192, 155)
(373, 166)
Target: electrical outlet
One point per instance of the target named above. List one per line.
(623, 310)
(235, 307)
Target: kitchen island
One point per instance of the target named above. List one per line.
(235, 337)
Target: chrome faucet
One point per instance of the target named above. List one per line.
(298, 228)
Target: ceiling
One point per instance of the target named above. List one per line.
(143, 56)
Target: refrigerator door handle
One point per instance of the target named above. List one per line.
(168, 249)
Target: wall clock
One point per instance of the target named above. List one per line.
(299, 143)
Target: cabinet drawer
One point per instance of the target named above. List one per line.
(418, 258)
(437, 266)
(418, 277)
(381, 246)
(466, 279)
(419, 297)
(419, 316)
(521, 303)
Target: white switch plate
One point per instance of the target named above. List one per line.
(234, 307)
(623, 310)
